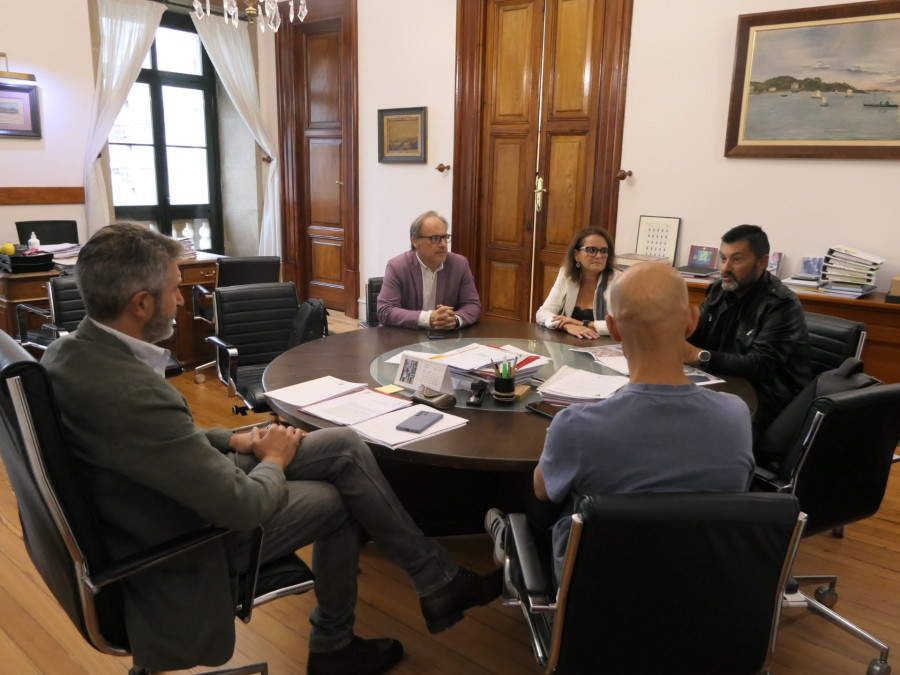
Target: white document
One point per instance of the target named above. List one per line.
(416, 369)
(356, 407)
(383, 429)
(307, 393)
(616, 363)
(572, 385)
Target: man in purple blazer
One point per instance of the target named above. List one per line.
(428, 287)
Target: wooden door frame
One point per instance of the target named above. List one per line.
(295, 253)
(470, 25)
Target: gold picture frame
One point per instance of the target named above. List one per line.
(401, 135)
(811, 83)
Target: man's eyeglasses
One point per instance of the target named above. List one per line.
(436, 238)
(593, 250)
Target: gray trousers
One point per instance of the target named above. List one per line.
(335, 489)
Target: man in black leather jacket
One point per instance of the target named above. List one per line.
(752, 326)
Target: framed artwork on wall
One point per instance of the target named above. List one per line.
(817, 82)
(19, 115)
(401, 135)
(658, 236)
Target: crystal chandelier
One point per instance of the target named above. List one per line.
(265, 10)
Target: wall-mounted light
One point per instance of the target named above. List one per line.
(6, 73)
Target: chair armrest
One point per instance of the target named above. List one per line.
(150, 557)
(23, 309)
(526, 572)
(201, 297)
(767, 481)
(226, 353)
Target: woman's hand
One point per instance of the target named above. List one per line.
(578, 330)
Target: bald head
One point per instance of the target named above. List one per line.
(650, 298)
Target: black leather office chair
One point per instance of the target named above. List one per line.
(60, 529)
(644, 580)
(838, 466)
(48, 231)
(832, 340)
(66, 312)
(373, 288)
(253, 326)
(232, 272)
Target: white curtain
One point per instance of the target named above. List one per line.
(127, 29)
(229, 50)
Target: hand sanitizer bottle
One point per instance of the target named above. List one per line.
(34, 242)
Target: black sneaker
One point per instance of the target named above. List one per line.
(360, 657)
(445, 606)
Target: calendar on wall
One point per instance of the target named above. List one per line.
(658, 237)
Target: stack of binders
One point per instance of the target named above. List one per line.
(849, 272)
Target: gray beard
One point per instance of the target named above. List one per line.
(159, 328)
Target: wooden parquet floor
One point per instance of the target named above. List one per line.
(37, 638)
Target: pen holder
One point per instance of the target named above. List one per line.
(504, 389)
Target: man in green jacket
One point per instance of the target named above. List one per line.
(153, 474)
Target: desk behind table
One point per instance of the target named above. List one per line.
(447, 482)
(187, 344)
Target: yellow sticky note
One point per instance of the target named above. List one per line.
(389, 389)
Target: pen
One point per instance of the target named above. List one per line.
(496, 371)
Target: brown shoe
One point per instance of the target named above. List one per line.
(444, 607)
(360, 657)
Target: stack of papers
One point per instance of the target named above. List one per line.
(611, 357)
(62, 250)
(477, 362)
(356, 407)
(383, 429)
(315, 391)
(571, 385)
(372, 414)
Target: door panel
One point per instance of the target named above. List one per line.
(562, 123)
(316, 62)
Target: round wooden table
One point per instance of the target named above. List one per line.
(448, 481)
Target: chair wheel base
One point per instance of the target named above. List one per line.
(239, 410)
(878, 667)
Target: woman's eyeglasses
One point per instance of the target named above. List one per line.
(593, 250)
(436, 238)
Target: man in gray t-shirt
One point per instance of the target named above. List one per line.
(659, 433)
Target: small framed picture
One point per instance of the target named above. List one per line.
(401, 135)
(19, 114)
(658, 236)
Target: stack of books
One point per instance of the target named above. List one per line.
(804, 281)
(188, 251)
(625, 260)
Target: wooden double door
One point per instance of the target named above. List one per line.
(548, 90)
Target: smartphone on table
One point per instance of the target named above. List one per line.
(420, 421)
(545, 409)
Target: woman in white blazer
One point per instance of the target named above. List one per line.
(577, 302)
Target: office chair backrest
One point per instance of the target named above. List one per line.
(840, 463)
(684, 583)
(66, 304)
(248, 270)
(58, 523)
(832, 340)
(48, 231)
(373, 288)
(256, 318)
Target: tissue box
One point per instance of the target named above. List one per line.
(893, 295)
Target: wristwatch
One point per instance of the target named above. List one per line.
(587, 323)
(703, 357)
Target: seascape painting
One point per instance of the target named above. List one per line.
(835, 82)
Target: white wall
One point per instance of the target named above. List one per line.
(407, 59)
(679, 81)
(59, 55)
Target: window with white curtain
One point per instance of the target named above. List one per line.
(163, 149)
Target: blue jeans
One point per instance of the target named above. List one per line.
(334, 491)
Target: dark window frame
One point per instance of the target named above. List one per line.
(163, 213)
